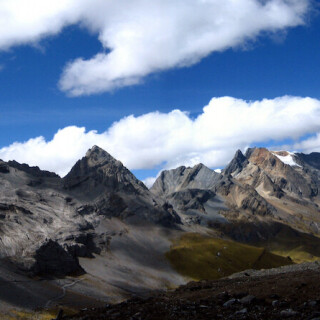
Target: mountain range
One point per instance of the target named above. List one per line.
(101, 233)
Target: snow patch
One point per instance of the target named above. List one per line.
(288, 159)
(217, 170)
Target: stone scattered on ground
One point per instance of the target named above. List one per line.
(282, 293)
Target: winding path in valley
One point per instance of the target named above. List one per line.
(62, 295)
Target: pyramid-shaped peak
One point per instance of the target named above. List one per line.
(97, 151)
(98, 171)
(97, 156)
(94, 149)
(239, 155)
(199, 166)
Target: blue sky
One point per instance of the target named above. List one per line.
(272, 62)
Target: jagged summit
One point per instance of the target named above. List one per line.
(95, 149)
(115, 191)
(98, 156)
(197, 177)
(188, 189)
(238, 162)
(99, 172)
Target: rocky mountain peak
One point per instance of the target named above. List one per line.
(96, 156)
(249, 151)
(239, 155)
(98, 172)
(269, 160)
(202, 176)
(279, 174)
(198, 177)
(199, 166)
(238, 162)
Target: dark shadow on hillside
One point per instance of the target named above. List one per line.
(273, 236)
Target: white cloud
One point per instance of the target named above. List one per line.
(149, 181)
(173, 138)
(142, 37)
(24, 22)
(311, 144)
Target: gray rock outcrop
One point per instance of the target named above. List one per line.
(46, 222)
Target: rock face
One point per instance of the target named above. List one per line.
(114, 191)
(190, 191)
(311, 160)
(260, 185)
(46, 222)
(237, 164)
(99, 172)
(287, 183)
(197, 177)
(52, 259)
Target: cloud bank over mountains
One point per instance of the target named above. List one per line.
(142, 37)
(171, 139)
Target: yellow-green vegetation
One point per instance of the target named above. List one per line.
(299, 246)
(202, 257)
(298, 255)
(277, 238)
(299, 250)
(25, 315)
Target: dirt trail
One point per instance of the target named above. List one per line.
(62, 295)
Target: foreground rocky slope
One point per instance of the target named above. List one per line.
(289, 292)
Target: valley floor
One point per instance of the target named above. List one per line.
(291, 292)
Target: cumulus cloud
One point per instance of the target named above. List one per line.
(23, 22)
(149, 181)
(141, 37)
(311, 144)
(171, 139)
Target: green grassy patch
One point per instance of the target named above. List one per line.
(203, 257)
